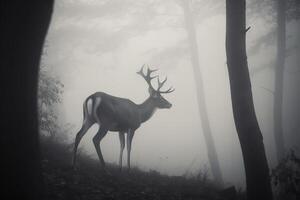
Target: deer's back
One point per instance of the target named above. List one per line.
(119, 114)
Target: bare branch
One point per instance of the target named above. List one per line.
(247, 29)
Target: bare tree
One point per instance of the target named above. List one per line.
(210, 144)
(250, 137)
(279, 73)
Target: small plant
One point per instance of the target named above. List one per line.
(286, 177)
(202, 175)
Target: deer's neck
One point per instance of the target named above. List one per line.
(146, 110)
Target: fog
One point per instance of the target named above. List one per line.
(100, 45)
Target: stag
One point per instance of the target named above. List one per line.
(120, 115)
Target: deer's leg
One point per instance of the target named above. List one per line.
(97, 139)
(85, 127)
(122, 145)
(130, 134)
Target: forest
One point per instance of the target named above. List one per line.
(149, 99)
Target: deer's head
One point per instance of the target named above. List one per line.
(155, 94)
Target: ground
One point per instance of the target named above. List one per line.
(89, 182)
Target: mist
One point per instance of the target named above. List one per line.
(100, 45)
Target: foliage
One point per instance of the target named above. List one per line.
(293, 9)
(286, 177)
(49, 94)
(266, 10)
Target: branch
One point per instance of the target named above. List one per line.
(247, 29)
(268, 90)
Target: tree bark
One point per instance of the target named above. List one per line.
(249, 134)
(211, 149)
(279, 73)
(24, 25)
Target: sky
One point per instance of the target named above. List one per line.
(100, 45)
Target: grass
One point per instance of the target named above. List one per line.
(89, 182)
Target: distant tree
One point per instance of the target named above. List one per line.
(279, 74)
(286, 10)
(267, 10)
(210, 144)
(279, 13)
(250, 137)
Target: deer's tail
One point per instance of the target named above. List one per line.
(88, 108)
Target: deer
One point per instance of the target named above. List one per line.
(121, 115)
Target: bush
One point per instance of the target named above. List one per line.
(286, 177)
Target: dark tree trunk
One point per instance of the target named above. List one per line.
(279, 73)
(250, 137)
(24, 25)
(210, 144)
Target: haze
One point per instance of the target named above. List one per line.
(100, 45)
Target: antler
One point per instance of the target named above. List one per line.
(147, 76)
(148, 79)
(160, 84)
(171, 89)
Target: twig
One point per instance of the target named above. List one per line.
(247, 29)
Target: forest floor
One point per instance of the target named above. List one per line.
(88, 182)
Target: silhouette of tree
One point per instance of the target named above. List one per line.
(24, 26)
(250, 137)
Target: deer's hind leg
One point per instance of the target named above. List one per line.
(85, 127)
(97, 139)
(122, 145)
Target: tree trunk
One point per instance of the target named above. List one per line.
(279, 72)
(23, 29)
(211, 149)
(250, 137)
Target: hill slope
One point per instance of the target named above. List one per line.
(88, 182)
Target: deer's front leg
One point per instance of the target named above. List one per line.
(130, 134)
(122, 145)
(97, 139)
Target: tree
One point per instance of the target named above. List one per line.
(279, 72)
(210, 144)
(249, 134)
(24, 26)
